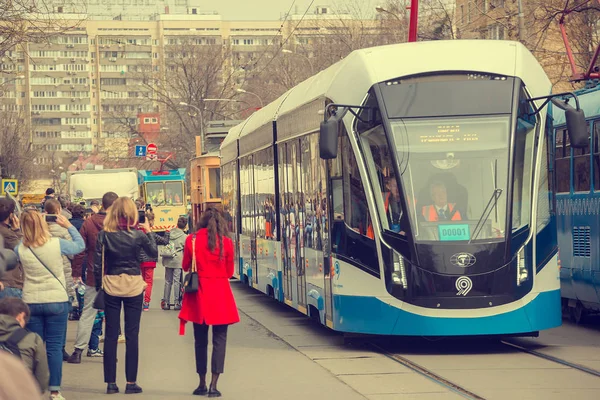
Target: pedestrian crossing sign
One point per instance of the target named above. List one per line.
(10, 186)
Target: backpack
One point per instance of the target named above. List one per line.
(11, 345)
(169, 251)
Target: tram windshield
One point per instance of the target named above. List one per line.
(453, 174)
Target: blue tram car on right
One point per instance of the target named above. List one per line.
(578, 210)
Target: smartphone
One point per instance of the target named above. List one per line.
(51, 217)
(141, 216)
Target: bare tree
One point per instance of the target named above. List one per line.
(16, 151)
(28, 21)
(313, 44)
(202, 77)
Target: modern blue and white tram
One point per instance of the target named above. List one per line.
(422, 205)
(578, 210)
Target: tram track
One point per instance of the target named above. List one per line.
(554, 359)
(460, 389)
(429, 374)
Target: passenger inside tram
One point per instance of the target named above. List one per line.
(392, 203)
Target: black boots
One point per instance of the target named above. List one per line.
(112, 388)
(201, 391)
(213, 392)
(132, 388)
(66, 355)
(75, 357)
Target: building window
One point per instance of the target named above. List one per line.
(496, 32)
(469, 9)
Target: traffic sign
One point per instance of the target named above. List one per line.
(151, 157)
(140, 151)
(10, 186)
(151, 148)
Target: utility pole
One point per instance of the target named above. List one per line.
(413, 24)
(521, 23)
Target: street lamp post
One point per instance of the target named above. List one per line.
(312, 69)
(183, 103)
(254, 94)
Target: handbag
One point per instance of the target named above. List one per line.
(99, 299)
(191, 283)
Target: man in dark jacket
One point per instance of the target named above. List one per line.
(89, 231)
(11, 284)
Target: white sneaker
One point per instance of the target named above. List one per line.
(57, 396)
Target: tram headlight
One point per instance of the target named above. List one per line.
(522, 272)
(399, 271)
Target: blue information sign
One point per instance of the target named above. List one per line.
(454, 232)
(140, 151)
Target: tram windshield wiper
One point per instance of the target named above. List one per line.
(486, 213)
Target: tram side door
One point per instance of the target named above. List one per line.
(328, 203)
(254, 212)
(298, 223)
(286, 231)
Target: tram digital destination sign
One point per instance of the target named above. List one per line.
(448, 134)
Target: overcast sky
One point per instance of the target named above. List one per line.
(273, 9)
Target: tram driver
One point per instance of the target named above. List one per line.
(440, 209)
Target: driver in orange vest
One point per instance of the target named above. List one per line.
(440, 210)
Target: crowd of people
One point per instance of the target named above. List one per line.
(87, 264)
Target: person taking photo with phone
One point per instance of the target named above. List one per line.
(45, 286)
(117, 271)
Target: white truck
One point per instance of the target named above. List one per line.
(94, 183)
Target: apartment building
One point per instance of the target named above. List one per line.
(499, 20)
(83, 92)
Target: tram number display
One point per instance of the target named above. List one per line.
(454, 232)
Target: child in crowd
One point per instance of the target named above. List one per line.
(93, 349)
(27, 346)
(148, 264)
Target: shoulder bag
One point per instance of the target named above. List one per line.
(99, 299)
(191, 283)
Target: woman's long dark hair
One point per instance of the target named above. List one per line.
(216, 225)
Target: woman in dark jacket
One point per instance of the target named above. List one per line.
(122, 244)
(213, 304)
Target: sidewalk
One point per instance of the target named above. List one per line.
(259, 365)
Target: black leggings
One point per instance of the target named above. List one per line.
(201, 346)
(132, 307)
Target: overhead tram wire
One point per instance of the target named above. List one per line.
(264, 52)
(287, 38)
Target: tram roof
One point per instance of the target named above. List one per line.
(349, 80)
(229, 148)
(160, 176)
(589, 101)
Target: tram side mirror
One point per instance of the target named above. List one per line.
(328, 138)
(576, 125)
(328, 134)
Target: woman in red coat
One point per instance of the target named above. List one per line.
(213, 304)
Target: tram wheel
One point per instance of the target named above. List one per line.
(578, 313)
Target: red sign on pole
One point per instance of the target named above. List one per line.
(151, 148)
